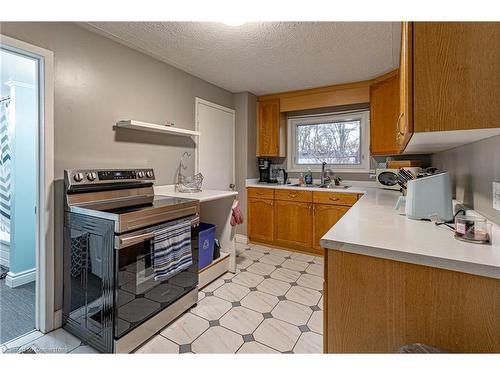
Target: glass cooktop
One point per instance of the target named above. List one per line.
(158, 202)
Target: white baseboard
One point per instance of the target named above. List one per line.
(58, 319)
(13, 280)
(241, 238)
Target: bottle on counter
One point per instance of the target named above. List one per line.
(308, 177)
(301, 179)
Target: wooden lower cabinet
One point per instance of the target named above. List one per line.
(324, 217)
(294, 219)
(375, 305)
(261, 219)
(293, 223)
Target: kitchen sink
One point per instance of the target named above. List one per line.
(332, 186)
(319, 186)
(313, 186)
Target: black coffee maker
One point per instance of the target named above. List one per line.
(264, 170)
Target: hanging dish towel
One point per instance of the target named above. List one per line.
(237, 215)
(171, 250)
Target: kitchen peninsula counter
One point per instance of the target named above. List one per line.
(391, 281)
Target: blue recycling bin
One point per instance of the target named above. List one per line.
(206, 239)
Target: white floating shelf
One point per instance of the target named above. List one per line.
(145, 126)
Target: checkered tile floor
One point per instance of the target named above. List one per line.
(273, 304)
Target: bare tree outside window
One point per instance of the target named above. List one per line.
(334, 142)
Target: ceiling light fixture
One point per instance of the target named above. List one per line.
(234, 22)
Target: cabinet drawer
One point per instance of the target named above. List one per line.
(342, 199)
(260, 193)
(293, 195)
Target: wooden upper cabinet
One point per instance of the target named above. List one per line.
(271, 129)
(404, 122)
(456, 75)
(261, 219)
(384, 114)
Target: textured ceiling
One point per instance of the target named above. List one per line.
(266, 57)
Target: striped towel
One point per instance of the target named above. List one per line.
(171, 250)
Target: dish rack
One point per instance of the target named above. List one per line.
(187, 184)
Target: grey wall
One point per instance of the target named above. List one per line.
(246, 135)
(98, 82)
(473, 169)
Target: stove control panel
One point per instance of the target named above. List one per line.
(91, 176)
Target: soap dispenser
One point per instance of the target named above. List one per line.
(309, 177)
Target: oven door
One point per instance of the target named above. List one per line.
(138, 296)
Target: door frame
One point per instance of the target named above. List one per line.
(198, 102)
(44, 301)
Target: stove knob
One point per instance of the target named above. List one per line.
(78, 177)
(140, 174)
(149, 174)
(91, 176)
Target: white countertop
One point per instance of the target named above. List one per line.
(373, 227)
(202, 196)
(350, 189)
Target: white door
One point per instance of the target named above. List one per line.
(215, 148)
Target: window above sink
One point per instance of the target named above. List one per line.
(340, 139)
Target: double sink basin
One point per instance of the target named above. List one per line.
(313, 186)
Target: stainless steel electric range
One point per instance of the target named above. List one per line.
(111, 298)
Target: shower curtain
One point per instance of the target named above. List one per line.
(5, 160)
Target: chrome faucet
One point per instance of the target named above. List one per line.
(323, 165)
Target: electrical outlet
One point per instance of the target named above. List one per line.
(496, 195)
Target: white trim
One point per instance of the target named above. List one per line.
(241, 238)
(14, 280)
(58, 319)
(44, 309)
(199, 101)
(365, 141)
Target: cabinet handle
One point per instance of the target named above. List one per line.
(292, 195)
(271, 203)
(334, 199)
(259, 193)
(398, 131)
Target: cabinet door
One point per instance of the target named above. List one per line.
(325, 216)
(384, 113)
(456, 75)
(261, 219)
(269, 128)
(294, 223)
(404, 129)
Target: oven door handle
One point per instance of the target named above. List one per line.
(130, 240)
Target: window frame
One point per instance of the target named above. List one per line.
(361, 115)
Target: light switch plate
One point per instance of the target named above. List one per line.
(496, 195)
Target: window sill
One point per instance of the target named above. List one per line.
(341, 170)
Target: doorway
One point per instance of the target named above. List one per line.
(215, 148)
(26, 204)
